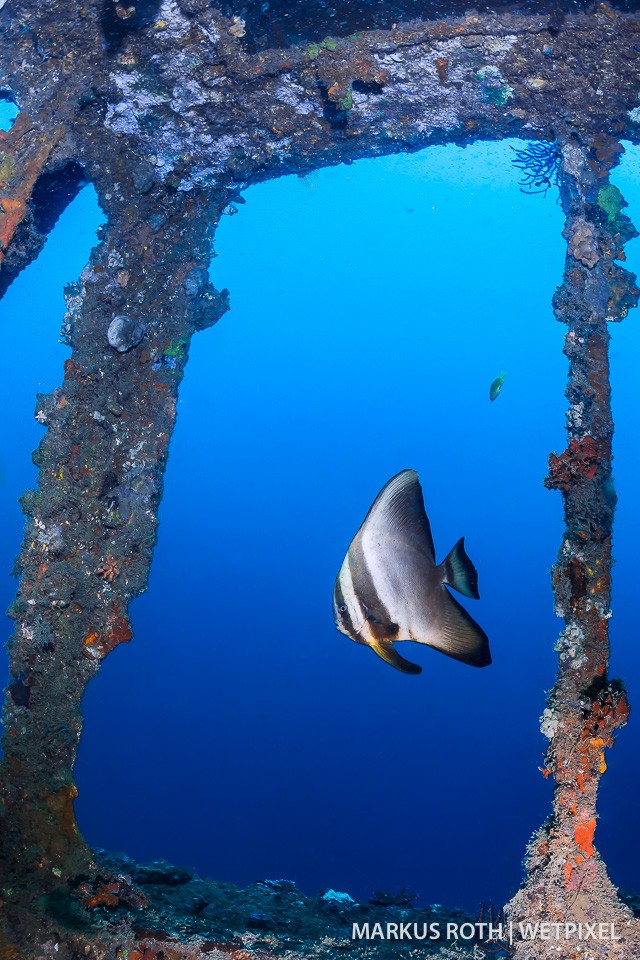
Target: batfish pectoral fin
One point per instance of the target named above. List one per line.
(458, 635)
(381, 627)
(386, 650)
(459, 572)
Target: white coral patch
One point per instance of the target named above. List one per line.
(500, 45)
(569, 645)
(172, 18)
(294, 95)
(549, 723)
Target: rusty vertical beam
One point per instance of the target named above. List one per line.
(566, 877)
(91, 523)
(24, 151)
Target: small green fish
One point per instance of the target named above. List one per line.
(496, 387)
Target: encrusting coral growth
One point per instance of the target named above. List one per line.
(171, 108)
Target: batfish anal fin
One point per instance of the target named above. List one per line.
(458, 635)
(459, 572)
(398, 511)
(386, 650)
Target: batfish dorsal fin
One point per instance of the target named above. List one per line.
(459, 572)
(458, 635)
(386, 650)
(399, 511)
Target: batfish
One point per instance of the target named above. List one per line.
(390, 588)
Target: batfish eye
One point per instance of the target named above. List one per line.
(343, 608)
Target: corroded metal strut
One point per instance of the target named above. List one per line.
(91, 524)
(566, 878)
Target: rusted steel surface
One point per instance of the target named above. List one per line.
(566, 877)
(24, 151)
(91, 523)
(188, 101)
(170, 120)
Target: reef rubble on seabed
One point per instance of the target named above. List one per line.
(157, 911)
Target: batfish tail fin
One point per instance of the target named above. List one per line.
(459, 572)
(458, 635)
(386, 650)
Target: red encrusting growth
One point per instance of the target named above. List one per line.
(580, 461)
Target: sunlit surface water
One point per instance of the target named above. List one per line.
(239, 733)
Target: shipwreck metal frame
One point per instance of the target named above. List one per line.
(169, 126)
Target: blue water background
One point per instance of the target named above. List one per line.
(8, 113)
(239, 733)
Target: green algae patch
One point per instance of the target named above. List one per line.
(611, 202)
(314, 49)
(494, 87)
(176, 348)
(345, 102)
